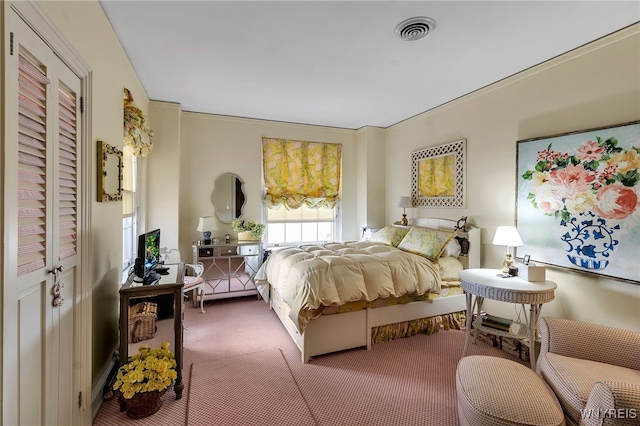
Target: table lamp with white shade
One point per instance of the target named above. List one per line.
(404, 202)
(507, 236)
(207, 224)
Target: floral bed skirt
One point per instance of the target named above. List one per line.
(386, 333)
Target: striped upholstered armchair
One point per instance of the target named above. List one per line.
(594, 371)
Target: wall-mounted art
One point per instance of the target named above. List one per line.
(438, 176)
(109, 172)
(578, 200)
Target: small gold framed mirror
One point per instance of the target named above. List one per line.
(109, 173)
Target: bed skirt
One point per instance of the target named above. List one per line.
(389, 332)
(386, 333)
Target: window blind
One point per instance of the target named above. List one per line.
(300, 172)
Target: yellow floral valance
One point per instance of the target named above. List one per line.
(137, 132)
(297, 172)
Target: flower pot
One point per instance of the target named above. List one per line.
(246, 236)
(141, 404)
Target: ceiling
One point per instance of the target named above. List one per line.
(339, 63)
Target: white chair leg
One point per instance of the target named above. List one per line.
(201, 292)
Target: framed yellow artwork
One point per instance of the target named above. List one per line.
(438, 176)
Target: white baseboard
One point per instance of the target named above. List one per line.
(96, 393)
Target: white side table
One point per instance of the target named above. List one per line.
(485, 283)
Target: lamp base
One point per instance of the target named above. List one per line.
(404, 221)
(206, 236)
(508, 262)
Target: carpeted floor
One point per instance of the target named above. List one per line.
(251, 389)
(404, 382)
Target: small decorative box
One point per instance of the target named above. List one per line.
(531, 272)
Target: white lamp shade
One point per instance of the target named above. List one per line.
(405, 202)
(507, 236)
(207, 223)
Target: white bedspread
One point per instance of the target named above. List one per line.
(308, 277)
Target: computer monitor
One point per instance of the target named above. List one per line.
(148, 255)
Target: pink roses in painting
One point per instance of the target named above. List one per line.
(599, 177)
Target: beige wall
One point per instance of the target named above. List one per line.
(87, 29)
(371, 142)
(212, 145)
(597, 85)
(163, 194)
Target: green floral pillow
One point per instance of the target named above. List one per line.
(426, 242)
(391, 235)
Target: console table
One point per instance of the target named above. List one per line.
(171, 283)
(485, 283)
(229, 268)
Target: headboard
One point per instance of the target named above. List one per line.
(472, 234)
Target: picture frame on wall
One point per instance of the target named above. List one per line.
(578, 200)
(438, 176)
(110, 173)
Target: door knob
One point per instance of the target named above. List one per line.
(57, 270)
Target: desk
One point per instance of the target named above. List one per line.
(168, 284)
(485, 283)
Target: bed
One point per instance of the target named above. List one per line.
(315, 317)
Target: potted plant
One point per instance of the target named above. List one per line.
(247, 229)
(144, 379)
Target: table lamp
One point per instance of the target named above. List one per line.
(207, 224)
(404, 203)
(507, 236)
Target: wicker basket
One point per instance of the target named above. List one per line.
(142, 404)
(142, 321)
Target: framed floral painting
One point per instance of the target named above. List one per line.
(437, 175)
(578, 200)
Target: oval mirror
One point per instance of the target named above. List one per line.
(228, 197)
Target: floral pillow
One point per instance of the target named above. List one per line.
(391, 235)
(426, 242)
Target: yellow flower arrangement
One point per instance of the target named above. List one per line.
(147, 371)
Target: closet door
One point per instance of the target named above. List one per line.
(41, 376)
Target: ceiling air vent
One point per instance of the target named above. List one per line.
(416, 28)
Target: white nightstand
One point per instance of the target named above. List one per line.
(485, 283)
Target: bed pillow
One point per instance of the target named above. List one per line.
(426, 242)
(450, 268)
(452, 248)
(391, 235)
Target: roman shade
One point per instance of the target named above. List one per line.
(300, 172)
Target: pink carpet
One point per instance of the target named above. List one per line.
(251, 389)
(405, 382)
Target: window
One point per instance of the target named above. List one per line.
(129, 209)
(303, 225)
(302, 188)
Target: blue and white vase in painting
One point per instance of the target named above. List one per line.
(590, 241)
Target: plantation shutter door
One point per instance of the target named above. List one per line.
(68, 200)
(43, 343)
(32, 165)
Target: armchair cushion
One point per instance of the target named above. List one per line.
(590, 341)
(592, 366)
(608, 397)
(572, 379)
(190, 282)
